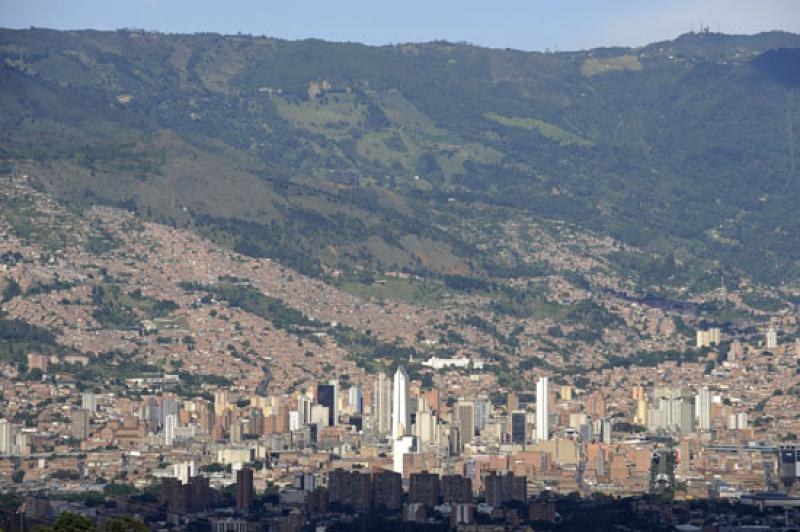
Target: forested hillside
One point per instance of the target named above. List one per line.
(338, 155)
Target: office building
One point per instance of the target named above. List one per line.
(674, 413)
(456, 489)
(703, 402)
(424, 488)
(170, 423)
(503, 488)
(401, 416)
(519, 427)
(326, 396)
(354, 399)
(542, 421)
(382, 405)
(244, 488)
(465, 417)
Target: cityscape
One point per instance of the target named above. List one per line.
(288, 284)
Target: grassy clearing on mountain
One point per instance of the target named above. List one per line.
(545, 129)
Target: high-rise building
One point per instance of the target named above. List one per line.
(586, 432)
(382, 405)
(542, 421)
(387, 490)
(7, 437)
(519, 427)
(401, 416)
(772, 338)
(708, 337)
(220, 401)
(637, 392)
(465, 416)
(400, 447)
(704, 409)
(244, 488)
(641, 411)
(482, 408)
(89, 401)
(304, 404)
(735, 352)
(675, 411)
(737, 421)
(294, 421)
(565, 392)
(426, 427)
(512, 402)
(320, 415)
(456, 488)
(79, 427)
(326, 396)
(183, 471)
(354, 399)
(424, 488)
(605, 430)
(170, 422)
(503, 488)
(789, 465)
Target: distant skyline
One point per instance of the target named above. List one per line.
(520, 24)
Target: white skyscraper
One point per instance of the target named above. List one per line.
(170, 422)
(542, 423)
(294, 420)
(401, 416)
(704, 409)
(6, 437)
(772, 338)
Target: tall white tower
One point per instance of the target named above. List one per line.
(401, 416)
(772, 338)
(542, 396)
(170, 422)
(704, 409)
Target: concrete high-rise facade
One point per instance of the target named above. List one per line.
(89, 401)
(675, 411)
(382, 405)
(542, 410)
(465, 415)
(7, 437)
(80, 423)
(170, 422)
(704, 409)
(519, 427)
(244, 488)
(401, 416)
(354, 399)
(220, 401)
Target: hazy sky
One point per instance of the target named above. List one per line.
(522, 24)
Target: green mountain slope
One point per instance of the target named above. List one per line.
(325, 154)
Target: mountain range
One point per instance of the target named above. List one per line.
(347, 159)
